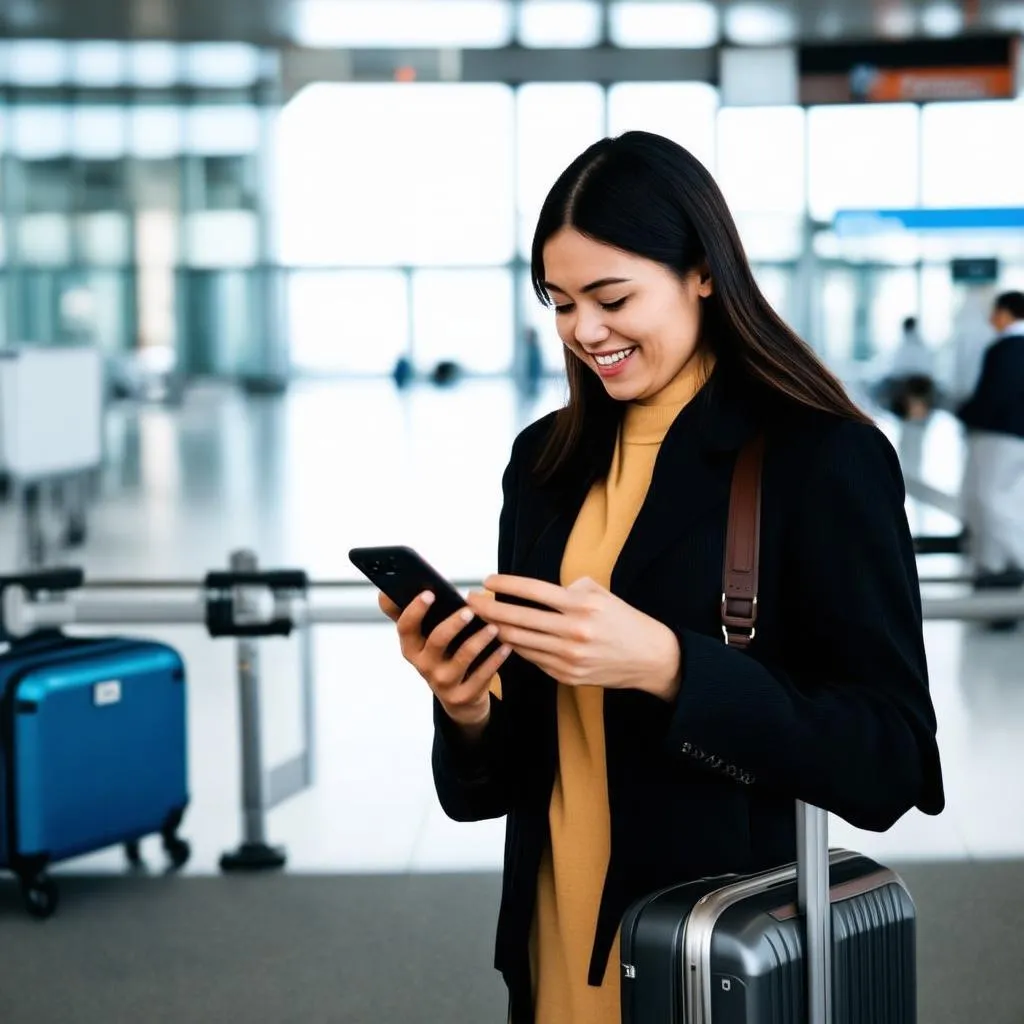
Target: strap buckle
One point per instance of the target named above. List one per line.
(739, 630)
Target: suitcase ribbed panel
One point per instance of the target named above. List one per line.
(785, 976)
(874, 966)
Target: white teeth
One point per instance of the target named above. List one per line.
(615, 357)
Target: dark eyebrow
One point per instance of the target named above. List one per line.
(592, 287)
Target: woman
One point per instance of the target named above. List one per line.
(628, 745)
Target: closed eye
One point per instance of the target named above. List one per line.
(608, 307)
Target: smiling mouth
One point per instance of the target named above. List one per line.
(613, 358)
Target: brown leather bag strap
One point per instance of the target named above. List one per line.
(743, 547)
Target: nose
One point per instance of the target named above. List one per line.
(590, 329)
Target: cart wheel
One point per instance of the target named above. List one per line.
(40, 895)
(178, 851)
(133, 853)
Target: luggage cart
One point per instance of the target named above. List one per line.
(51, 441)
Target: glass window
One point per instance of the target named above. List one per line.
(403, 23)
(153, 65)
(102, 185)
(690, 23)
(217, 239)
(771, 236)
(99, 132)
(936, 314)
(465, 316)
(103, 238)
(155, 131)
(99, 64)
(353, 321)
(862, 157)
(681, 111)
(964, 156)
(555, 123)
(222, 65)
(39, 132)
(221, 129)
(835, 316)
(37, 62)
(761, 158)
(407, 174)
(44, 239)
(559, 23)
(893, 297)
(776, 284)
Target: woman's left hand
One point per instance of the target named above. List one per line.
(589, 638)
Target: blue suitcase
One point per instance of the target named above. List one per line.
(93, 744)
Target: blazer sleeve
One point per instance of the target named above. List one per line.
(992, 398)
(852, 729)
(471, 778)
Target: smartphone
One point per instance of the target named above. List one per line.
(403, 574)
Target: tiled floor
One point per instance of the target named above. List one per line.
(301, 480)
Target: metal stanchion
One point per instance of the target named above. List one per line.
(254, 853)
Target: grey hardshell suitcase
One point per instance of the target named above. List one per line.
(735, 950)
(828, 940)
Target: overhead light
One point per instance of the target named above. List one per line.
(897, 21)
(942, 20)
(759, 25)
(1009, 17)
(691, 24)
(555, 23)
(394, 24)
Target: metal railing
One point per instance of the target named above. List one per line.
(246, 604)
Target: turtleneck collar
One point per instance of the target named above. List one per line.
(647, 421)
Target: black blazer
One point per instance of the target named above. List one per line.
(997, 405)
(829, 704)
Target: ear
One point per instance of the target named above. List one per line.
(705, 286)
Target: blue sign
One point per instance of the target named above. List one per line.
(880, 222)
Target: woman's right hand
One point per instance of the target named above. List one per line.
(465, 699)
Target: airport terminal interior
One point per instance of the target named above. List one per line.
(295, 237)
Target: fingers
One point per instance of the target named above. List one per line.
(388, 607)
(445, 632)
(475, 688)
(539, 591)
(455, 668)
(530, 640)
(410, 621)
(505, 615)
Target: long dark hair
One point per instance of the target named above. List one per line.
(646, 195)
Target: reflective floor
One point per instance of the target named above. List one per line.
(301, 480)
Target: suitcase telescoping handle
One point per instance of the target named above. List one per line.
(739, 615)
(812, 879)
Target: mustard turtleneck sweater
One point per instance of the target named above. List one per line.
(573, 869)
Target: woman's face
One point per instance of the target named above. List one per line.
(633, 322)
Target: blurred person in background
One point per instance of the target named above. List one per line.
(993, 489)
(908, 388)
(970, 337)
(629, 746)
